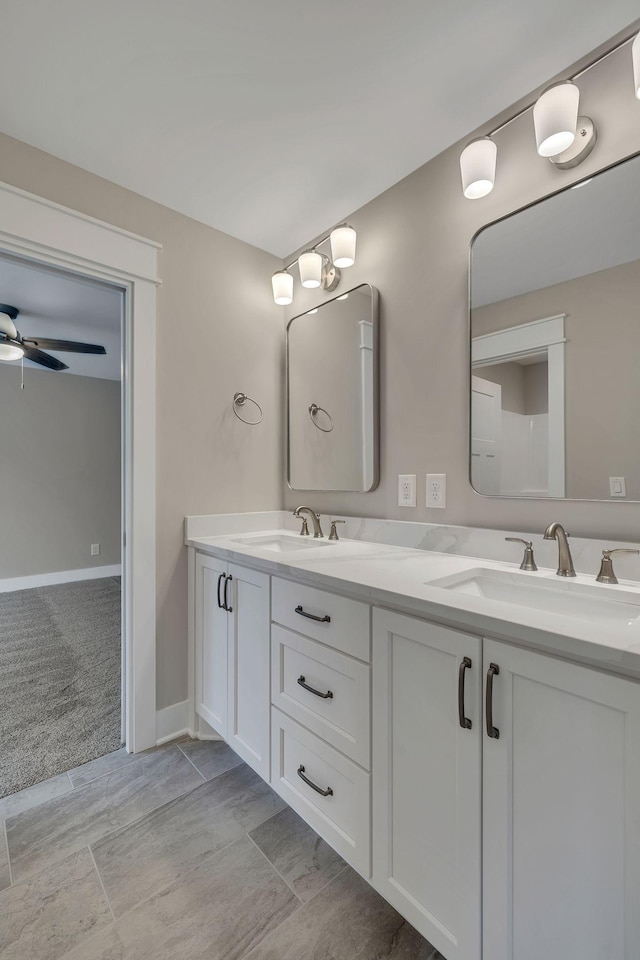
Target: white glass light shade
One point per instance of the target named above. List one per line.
(310, 266)
(282, 283)
(8, 351)
(555, 118)
(343, 246)
(478, 168)
(635, 54)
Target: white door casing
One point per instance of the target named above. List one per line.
(38, 229)
(486, 436)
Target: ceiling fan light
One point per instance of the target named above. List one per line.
(282, 285)
(310, 267)
(635, 54)
(9, 351)
(478, 168)
(343, 246)
(555, 118)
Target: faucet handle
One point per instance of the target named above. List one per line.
(333, 533)
(606, 574)
(305, 528)
(528, 562)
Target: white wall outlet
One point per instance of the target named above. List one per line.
(407, 490)
(95, 549)
(436, 490)
(617, 487)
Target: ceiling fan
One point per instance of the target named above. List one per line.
(13, 346)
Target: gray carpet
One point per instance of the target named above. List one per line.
(59, 679)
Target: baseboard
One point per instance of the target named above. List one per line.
(172, 722)
(61, 576)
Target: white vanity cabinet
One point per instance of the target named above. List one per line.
(427, 745)
(561, 811)
(530, 815)
(232, 656)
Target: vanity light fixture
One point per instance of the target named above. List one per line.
(316, 269)
(562, 136)
(478, 167)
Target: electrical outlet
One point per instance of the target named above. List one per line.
(95, 549)
(436, 490)
(407, 490)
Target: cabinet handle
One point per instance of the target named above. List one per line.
(493, 671)
(324, 793)
(325, 696)
(226, 596)
(465, 664)
(220, 579)
(311, 616)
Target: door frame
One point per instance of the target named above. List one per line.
(35, 228)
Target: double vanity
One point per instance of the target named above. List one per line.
(464, 733)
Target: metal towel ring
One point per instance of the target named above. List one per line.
(313, 409)
(239, 399)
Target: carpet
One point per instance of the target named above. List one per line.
(59, 679)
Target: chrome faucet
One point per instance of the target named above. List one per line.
(315, 519)
(555, 531)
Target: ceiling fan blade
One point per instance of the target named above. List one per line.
(44, 359)
(69, 346)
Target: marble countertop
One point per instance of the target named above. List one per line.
(398, 578)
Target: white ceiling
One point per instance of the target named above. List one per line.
(65, 307)
(580, 231)
(274, 120)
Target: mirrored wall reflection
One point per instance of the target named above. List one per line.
(332, 390)
(555, 345)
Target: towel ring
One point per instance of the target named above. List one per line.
(239, 399)
(313, 409)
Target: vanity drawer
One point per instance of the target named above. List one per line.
(346, 628)
(343, 719)
(343, 816)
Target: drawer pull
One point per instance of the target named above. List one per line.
(311, 616)
(493, 671)
(325, 696)
(465, 664)
(323, 793)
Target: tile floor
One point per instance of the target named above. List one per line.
(182, 851)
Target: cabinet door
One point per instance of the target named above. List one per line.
(561, 844)
(249, 681)
(427, 780)
(211, 643)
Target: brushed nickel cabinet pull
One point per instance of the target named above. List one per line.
(465, 664)
(493, 671)
(323, 793)
(311, 616)
(325, 696)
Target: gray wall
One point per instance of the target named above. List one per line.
(413, 244)
(602, 386)
(59, 472)
(219, 331)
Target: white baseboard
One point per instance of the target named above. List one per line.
(172, 722)
(62, 576)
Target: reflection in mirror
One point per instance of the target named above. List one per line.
(555, 344)
(332, 391)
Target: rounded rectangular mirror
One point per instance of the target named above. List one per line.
(555, 345)
(332, 394)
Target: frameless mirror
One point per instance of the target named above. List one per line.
(555, 345)
(332, 394)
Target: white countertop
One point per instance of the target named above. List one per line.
(395, 577)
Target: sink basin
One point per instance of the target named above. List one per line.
(280, 542)
(565, 597)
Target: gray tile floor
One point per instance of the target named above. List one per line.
(183, 852)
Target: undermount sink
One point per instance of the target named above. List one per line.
(564, 597)
(280, 542)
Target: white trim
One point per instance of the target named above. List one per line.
(525, 339)
(61, 576)
(44, 231)
(172, 722)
